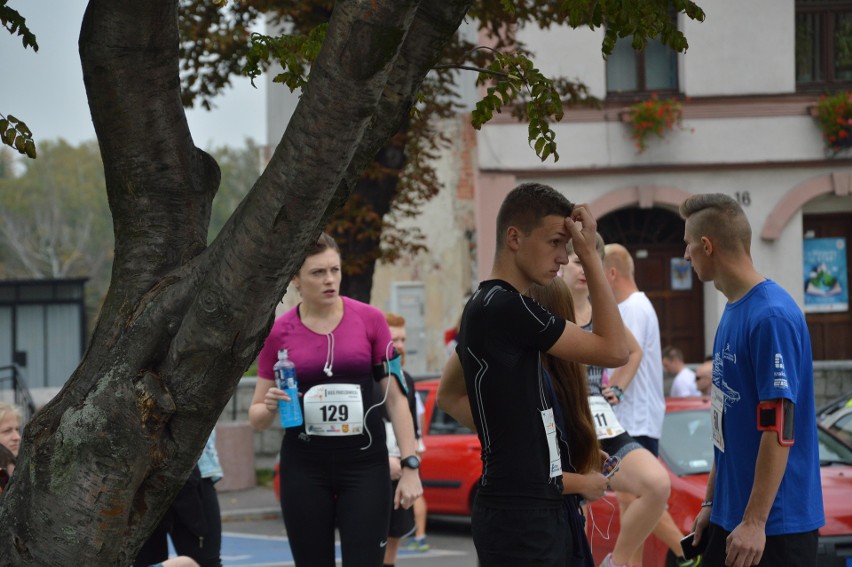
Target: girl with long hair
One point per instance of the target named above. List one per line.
(581, 454)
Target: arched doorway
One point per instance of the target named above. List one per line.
(654, 237)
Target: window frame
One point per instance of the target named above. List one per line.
(827, 10)
(642, 91)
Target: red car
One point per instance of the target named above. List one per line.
(686, 450)
(451, 466)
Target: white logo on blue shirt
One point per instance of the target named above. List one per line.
(728, 355)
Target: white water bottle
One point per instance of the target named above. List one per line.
(285, 378)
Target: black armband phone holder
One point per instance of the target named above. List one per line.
(777, 415)
(392, 366)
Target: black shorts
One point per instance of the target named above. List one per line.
(619, 445)
(649, 443)
(536, 537)
(401, 519)
(789, 550)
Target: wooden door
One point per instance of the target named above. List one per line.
(654, 238)
(830, 332)
(677, 295)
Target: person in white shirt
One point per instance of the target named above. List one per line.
(643, 406)
(684, 378)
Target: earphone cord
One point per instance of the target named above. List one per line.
(329, 355)
(384, 398)
(595, 527)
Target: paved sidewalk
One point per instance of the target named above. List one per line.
(256, 503)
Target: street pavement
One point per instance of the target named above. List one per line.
(253, 535)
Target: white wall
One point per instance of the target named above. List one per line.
(741, 48)
(447, 270)
(575, 54)
(699, 141)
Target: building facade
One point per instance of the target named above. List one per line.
(747, 87)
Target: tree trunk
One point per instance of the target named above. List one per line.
(363, 239)
(101, 462)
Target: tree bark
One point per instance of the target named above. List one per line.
(182, 321)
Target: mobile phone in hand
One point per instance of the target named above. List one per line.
(611, 465)
(690, 551)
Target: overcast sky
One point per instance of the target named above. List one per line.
(45, 89)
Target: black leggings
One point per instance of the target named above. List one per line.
(194, 523)
(321, 490)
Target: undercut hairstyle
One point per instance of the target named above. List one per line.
(720, 218)
(673, 353)
(570, 383)
(526, 206)
(618, 257)
(599, 245)
(394, 320)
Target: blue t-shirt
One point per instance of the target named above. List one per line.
(762, 351)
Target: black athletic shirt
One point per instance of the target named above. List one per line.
(501, 335)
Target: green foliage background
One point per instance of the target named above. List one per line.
(55, 221)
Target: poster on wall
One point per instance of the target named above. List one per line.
(681, 274)
(826, 282)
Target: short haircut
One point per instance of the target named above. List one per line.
(394, 320)
(526, 206)
(720, 218)
(673, 352)
(599, 245)
(7, 408)
(618, 257)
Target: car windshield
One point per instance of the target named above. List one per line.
(687, 443)
(832, 451)
(444, 424)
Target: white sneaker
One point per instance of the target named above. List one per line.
(607, 561)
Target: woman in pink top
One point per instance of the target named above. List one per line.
(334, 467)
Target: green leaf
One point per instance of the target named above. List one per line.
(30, 149)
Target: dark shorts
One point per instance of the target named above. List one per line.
(789, 550)
(619, 445)
(401, 520)
(536, 537)
(649, 443)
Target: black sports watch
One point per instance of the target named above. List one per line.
(411, 462)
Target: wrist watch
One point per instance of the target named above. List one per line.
(411, 462)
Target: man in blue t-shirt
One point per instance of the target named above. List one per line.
(493, 381)
(763, 502)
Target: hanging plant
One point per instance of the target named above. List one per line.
(652, 117)
(834, 115)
